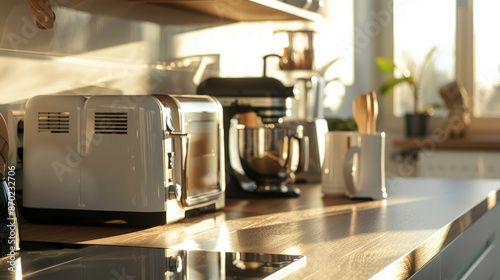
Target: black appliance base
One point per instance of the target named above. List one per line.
(72, 216)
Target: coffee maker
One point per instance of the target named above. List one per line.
(248, 148)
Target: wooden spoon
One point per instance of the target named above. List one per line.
(374, 111)
(369, 110)
(360, 112)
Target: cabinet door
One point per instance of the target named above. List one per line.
(474, 254)
(450, 164)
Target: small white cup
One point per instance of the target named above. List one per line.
(337, 143)
(364, 167)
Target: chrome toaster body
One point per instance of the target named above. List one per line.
(143, 159)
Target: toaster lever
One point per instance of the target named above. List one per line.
(180, 143)
(169, 123)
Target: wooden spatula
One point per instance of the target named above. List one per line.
(372, 105)
(360, 112)
(369, 111)
(374, 111)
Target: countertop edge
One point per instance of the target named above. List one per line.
(409, 264)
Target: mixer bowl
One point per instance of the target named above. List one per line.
(270, 154)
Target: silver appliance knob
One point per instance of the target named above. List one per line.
(174, 264)
(175, 192)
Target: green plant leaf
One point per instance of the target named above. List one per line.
(385, 65)
(389, 85)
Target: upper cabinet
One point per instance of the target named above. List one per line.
(241, 10)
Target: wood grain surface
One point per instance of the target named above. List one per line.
(341, 238)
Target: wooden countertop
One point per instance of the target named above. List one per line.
(471, 143)
(341, 238)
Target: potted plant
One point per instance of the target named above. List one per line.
(416, 122)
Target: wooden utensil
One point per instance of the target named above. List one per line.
(369, 118)
(360, 112)
(375, 110)
(372, 104)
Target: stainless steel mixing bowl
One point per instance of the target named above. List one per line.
(271, 154)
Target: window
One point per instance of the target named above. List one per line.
(486, 58)
(420, 26)
(449, 24)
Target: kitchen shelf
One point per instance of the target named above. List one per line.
(241, 10)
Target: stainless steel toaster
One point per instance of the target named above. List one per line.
(143, 159)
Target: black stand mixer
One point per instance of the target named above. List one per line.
(267, 97)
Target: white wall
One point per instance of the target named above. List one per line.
(242, 45)
(82, 50)
(117, 45)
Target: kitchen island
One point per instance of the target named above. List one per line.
(425, 228)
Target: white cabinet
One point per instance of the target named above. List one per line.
(491, 164)
(459, 164)
(473, 255)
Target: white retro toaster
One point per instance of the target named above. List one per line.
(143, 159)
